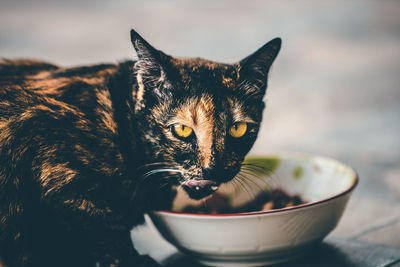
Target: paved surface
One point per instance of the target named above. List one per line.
(334, 89)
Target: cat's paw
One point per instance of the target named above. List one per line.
(147, 261)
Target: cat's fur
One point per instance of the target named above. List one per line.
(85, 151)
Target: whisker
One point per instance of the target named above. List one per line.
(165, 163)
(266, 182)
(261, 168)
(257, 168)
(147, 174)
(253, 172)
(262, 189)
(166, 175)
(235, 186)
(261, 179)
(245, 187)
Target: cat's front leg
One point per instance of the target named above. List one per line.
(107, 230)
(113, 253)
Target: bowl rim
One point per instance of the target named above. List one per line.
(304, 205)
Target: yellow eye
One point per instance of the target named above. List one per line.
(238, 129)
(182, 130)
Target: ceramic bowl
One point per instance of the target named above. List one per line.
(264, 237)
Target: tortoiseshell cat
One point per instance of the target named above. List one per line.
(85, 152)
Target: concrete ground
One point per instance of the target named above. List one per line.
(334, 89)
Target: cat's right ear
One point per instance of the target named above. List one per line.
(150, 59)
(150, 69)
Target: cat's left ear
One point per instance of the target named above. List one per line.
(255, 68)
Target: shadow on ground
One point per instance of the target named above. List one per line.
(336, 253)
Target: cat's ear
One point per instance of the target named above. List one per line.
(150, 70)
(150, 59)
(255, 68)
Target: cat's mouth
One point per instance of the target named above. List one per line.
(197, 189)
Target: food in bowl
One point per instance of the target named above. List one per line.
(258, 238)
(265, 200)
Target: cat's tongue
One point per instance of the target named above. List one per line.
(199, 183)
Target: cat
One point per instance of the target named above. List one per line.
(86, 151)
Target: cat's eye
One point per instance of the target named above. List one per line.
(238, 129)
(182, 130)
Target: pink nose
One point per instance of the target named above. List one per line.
(200, 183)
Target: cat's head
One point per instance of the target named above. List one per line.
(197, 119)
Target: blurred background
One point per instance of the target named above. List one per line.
(334, 89)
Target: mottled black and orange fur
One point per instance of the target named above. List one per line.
(74, 143)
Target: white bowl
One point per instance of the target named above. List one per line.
(264, 237)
